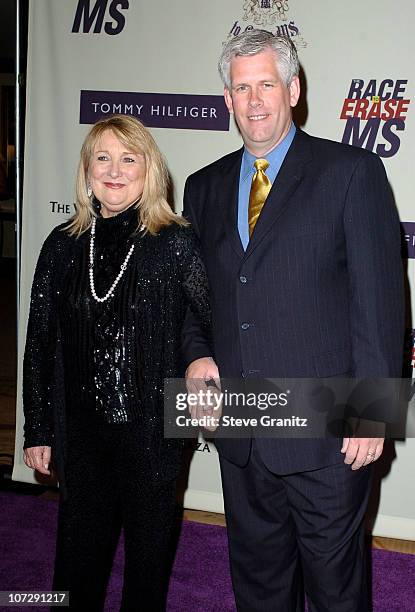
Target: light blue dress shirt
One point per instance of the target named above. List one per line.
(275, 159)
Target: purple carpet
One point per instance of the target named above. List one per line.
(200, 580)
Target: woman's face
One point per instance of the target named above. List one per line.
(116, 175)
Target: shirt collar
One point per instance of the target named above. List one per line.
(274, 156)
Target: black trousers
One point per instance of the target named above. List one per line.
(296, 532)
(108, 486)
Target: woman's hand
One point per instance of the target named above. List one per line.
(38, 458)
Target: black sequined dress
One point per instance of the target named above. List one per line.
(93, 390)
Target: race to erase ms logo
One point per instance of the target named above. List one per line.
(375, 114)
(272, 15)
(90, 14)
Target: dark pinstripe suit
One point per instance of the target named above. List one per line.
(320, 286)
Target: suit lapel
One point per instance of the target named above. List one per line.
(228, 199)
(284, 186)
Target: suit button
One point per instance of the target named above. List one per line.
(243, 279)
(245, 326)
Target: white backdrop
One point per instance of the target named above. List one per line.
(354, 50)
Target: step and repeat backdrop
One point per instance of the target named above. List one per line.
(157, 61)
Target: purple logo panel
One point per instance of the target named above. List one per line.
(179, 111)
(408, 228)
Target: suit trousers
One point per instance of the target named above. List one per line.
(109, 487)
(296, 532)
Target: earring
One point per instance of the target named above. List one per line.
(89, 190)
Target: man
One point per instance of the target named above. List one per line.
(302, 246)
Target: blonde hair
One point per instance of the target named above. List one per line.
(153, 210)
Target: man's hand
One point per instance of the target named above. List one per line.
(38, 458)
(361, 451)
(197, 374)
(204, 368)
(366, 445)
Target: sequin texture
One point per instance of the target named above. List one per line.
(108, 360)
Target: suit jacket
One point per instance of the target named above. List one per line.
(318, 291)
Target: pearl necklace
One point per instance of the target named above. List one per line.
(111, 290)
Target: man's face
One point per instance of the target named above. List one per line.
(260, 101)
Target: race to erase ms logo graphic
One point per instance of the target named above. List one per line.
(269, 15)
(375, 114)
(89, 16)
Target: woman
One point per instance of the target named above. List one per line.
(109, 297)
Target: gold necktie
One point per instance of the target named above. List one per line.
(260, 188)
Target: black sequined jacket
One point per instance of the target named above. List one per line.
(106, 362)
